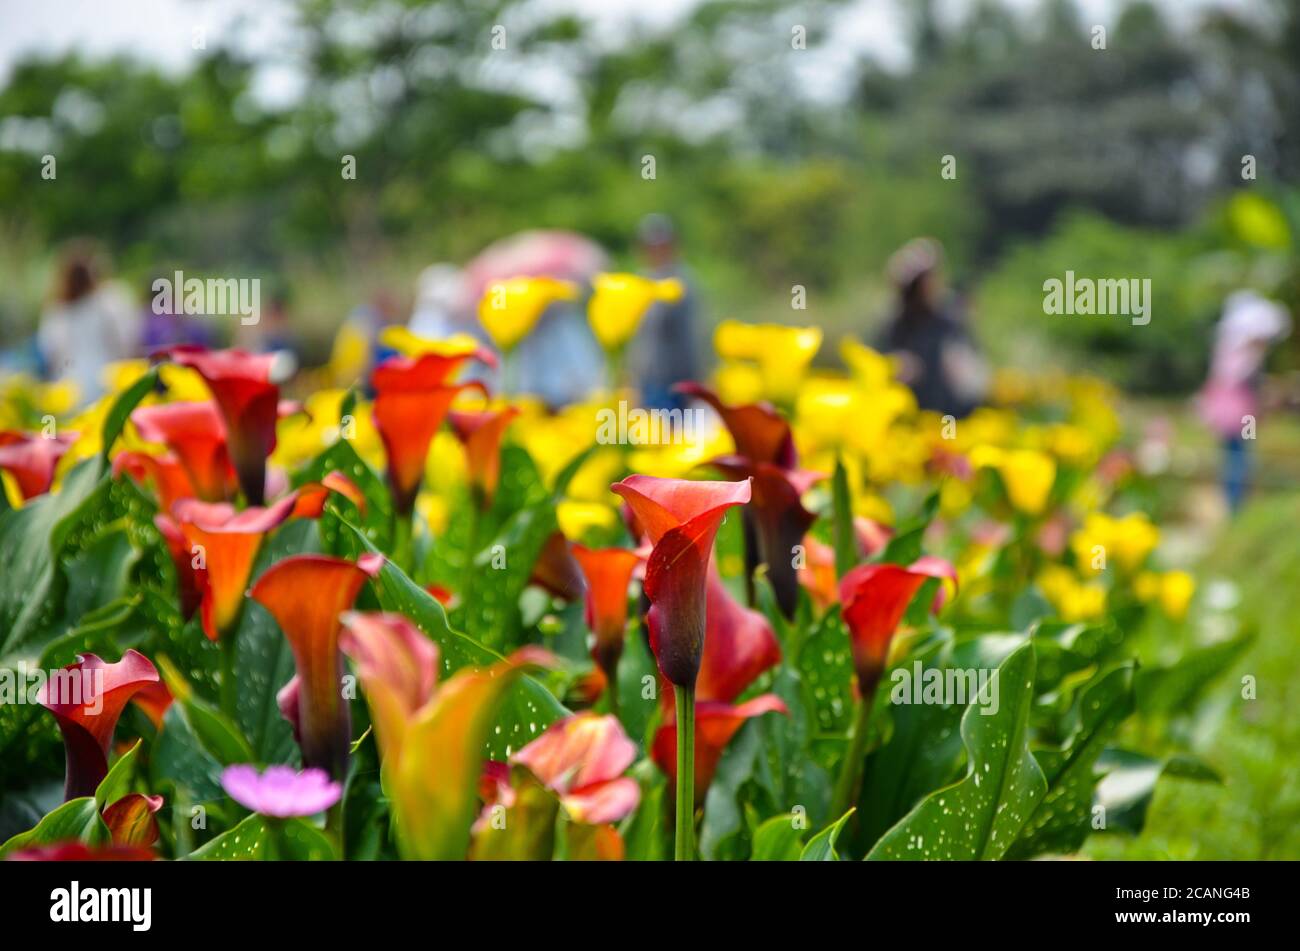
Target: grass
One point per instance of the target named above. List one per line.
(1255, 744)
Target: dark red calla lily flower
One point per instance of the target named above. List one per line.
(412, 397)
(196, 435)
(873, 600)
(80, 852)
(818, 574)
(32, 458)
(775, 520)
(481, 434)
(228, 542)
(715, 724)
(557, 571)
(739, 645)
(86, 699)
(681, 519)
(131, 820)
(760, 432)
(307, 594)
(241, 384)
(609, 573)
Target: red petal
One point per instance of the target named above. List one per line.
(759, 431)
(481, 434)
(609, 574)
(715, 725)
(31, 459)
(196, 435)
(874, 598)
(578, 751)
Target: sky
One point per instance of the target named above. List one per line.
(164, 31)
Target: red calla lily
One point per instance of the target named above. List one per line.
(307, 594)
(196, 435)
(311, 496)
(609, 573)
(581, 759)
(86, 699)
(481, 434)
(682, 519)
(818, 574)
(229, 542)
(32, 458)
(412, 397)
(241, 384)
(873, 600)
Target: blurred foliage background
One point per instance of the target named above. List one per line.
(1125, 161)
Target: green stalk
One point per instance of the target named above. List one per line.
(685, 845)
(471, 550)
(403, 552)
(334, 827)
(273, 835)
(846, 787)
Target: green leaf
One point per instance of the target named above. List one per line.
(244, 842)
(1174, 689)
(263, 665)
(1126, 790)
(778, 840)
(120, 411)
(1062, 820)
(821, 847)
(76, 819)
(118, 781)
(845, 540)
(980, 816)
(905, 545)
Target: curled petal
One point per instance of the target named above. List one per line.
(190, 581)
(557, 570)
(306, 594)
(605, 802)
(311, 496)
(86, 699)
(154, 699)
(935, 567)
(169, 478)
(32, 458)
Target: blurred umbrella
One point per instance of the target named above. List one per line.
(566, 255)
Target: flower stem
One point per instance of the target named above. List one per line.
(685, 846)
(403, 553)
(335, 828)
(471, 550)
(228, 674)
(846, 788)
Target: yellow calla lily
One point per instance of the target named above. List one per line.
(1027, 475)
(510, 309)
(620, 302)
(782, 353)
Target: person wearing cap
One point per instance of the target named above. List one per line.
(665, 350)
(1229, 402)
(936, 357)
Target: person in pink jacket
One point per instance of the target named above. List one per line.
(1229, 401)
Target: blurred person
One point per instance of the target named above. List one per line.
(274, 332)
(89, 324)
(1229, 401)
(442, 304)
(937, 357)
(665, 350)
(168, 326)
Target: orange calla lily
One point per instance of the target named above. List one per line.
(228, 542)
(241, 384)
(307, 594)
(412, 397)
(131, 820)
(32, 458)
(87, 698)
(481, 434)
(195, 434)
(170, 480)
(609, 573)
